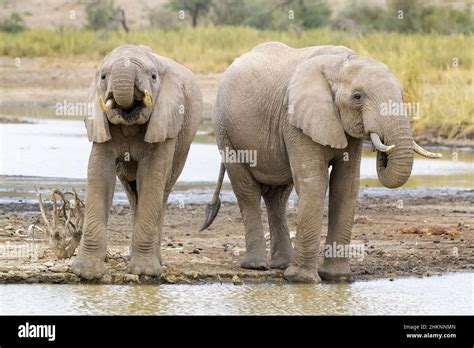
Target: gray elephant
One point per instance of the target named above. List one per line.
(303, 111)
(147, 109)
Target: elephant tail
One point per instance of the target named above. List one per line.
(213, 207)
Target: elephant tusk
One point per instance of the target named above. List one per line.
(378, 143)
(105, 106)
(109, 104)
(147, 99)
(421, 151)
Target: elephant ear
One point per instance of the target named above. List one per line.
(97, 125)
(311, 107)
(169, 108)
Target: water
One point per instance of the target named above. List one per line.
(441, 295)
(59, 149)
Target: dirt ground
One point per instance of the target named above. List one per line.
(429, 235)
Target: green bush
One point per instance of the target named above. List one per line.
(194, 8)
(13, 24)
(100, 13)
(271, 14)
(314, 14)
(405, 16)
(361, 18)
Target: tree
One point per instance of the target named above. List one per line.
(102, 14)
(13, 24)
(194, 8)
(314, 13)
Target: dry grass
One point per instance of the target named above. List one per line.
(436, 71)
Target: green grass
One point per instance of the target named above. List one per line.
(423, 63)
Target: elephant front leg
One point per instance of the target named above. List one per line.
(90, 261)
(343, 189)
(146, 238)
(311, 189)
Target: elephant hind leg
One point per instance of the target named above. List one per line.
(130, 188)
(249, 194)
(276, 199)
(127, 173)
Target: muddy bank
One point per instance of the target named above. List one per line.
(426, 235)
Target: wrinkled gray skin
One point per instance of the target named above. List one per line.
(303, 111)
(145, 147)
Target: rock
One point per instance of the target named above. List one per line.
(106, 279)
(410, 230)
(430, 230)
(236, 280)
(195, 251)
(49, 264)
(362, 219)
(452, 232)
(59, 268)
(131, 278)
(40, 255)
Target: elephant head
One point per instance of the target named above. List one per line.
(330, 96)
(134, 86)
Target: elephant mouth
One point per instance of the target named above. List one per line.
(138, 113)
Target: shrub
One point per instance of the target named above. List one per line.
(100, 14)
(13, 24)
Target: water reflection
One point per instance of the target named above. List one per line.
(442, 295)
(32, 146)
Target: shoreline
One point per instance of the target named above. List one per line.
(429, 236)
(425, 137)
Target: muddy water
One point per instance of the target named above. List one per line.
(442, 295)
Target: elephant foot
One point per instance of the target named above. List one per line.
(88, 266)
(147, 265)
(297, 274)
(335, 269)
(280, 262)
(252, 261)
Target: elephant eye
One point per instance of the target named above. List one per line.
(153, 76)
(102, 76)
(357, 97)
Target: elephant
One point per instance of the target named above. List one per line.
(303, 111)
(146, 110)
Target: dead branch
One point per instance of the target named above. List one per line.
(66, 222)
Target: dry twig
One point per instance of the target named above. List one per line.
(65, 226)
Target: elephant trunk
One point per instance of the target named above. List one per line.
(394, 166)
(123, 83)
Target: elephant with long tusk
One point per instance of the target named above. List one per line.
(146, 110)
(303, 111)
